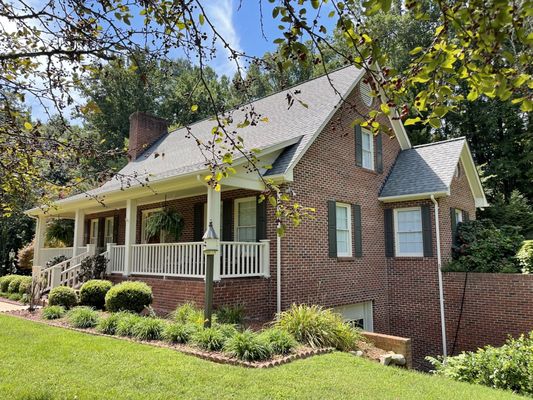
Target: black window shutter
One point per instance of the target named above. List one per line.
(389, 233)
(332, 228)
(115, 228)
(227, 219)
(260, 217)
(427, 236)
(454, 225)
(358, 232)
(198, 221)
(87, 231)
(358, 146)
(466, 216)
(379, 153)
(101, 233)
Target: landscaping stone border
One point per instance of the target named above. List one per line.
(218, 357)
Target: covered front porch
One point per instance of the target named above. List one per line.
(116, 229)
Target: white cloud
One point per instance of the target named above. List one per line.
(221, 14)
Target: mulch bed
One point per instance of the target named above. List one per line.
(218, 357)
(6, 300)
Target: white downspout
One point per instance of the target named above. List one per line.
(278, 272)
(439, 266)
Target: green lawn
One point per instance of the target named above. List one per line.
(41, 362)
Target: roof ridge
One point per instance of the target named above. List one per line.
(266, 96)
(439, 142)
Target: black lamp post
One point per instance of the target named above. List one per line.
(210, 249)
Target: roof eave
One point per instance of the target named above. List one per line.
(413, 196)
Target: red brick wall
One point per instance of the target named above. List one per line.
(121, 223)
(144, 131)
(327, 171)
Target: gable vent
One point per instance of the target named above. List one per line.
(366, 93)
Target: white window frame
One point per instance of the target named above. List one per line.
(350, 231)
(371, 150)
(109, 222)
(363, 310)
(397, 233)
(458, 216)
(93, 231)
(144, 216)
(236, 216)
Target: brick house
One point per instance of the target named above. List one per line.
(382, 209)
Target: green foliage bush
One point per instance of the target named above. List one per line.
(248, 346)
(281, 342)
(25, 285)
(25, 256)
(126, 324)
(108, 325)
(56, 260)
(525, 256)
(149, 329)
(93, 267)
(53, 312)
(179, 333)
(14, 284)
(318, 327)
(481, 247)
(92, 293)
(507, 367)
(211, 339)
(128, 296)
(188, 313)
(231, 314)
(83, 317)
(14, 296)
(63, 296)
(5, 281)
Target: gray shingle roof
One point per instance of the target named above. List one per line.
(180, 155)
(427, 168)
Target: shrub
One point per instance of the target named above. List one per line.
(231, 314)
(128, 296)
(149, 329)
(83, 317)
(281, 342)
(189, 313)
(507, 367)
(179, 333)
(108, 325)
(56, 260)
(25, 257)
(317, 327)
(63, 296)
(14, 284)
(14, 296)
(93, 267)
(5, 281)
(25, 285)
(53, 312)
(248, 346)
(211, 339)
(126, 324)
(92, 293)
(525, 256)
(481, 247)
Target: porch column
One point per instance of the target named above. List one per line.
(131, 234)
(79, 228)
(213, 215)
(40, 231)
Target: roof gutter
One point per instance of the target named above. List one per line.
(413, 196)
(439, 267)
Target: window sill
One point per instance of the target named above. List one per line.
(368, 171)
(344, 259)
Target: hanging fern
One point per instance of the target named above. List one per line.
(60, 230)
(167, 220)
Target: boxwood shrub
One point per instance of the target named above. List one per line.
(14, 284)
(25, 285)
(63, 296)
(92, 293)
(5, 281)
(128, 296)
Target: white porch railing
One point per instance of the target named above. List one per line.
(237, 259)
(66, 272)
(47, 253)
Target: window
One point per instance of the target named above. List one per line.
(367, 145)
(344, 230)
(359, 315)
(409, 238)
(108, 230)
(458, 216)
(93, 232)
(245, 219)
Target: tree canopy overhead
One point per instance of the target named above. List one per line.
(475, 50)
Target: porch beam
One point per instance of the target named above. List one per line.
(131, 234)
(79, 228)
(213, 215)
(244, 183)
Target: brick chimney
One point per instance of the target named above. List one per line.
(145, 130)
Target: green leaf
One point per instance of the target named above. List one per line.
(416, 50)
(201, 18)
(194, 107)
(385, 108)
(412, 121)
(28, 126)
(473, 95)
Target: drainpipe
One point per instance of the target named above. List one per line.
(278, 271)
(439, 266)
